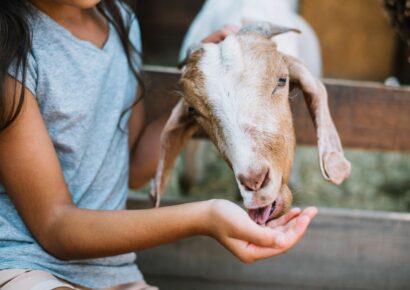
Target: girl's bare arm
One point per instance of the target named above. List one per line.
(32, 176)
(144, 143)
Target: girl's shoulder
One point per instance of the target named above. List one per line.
(127, 13)
(132, 24)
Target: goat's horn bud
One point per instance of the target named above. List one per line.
(191, 49)
(194, 47)
(266, 29)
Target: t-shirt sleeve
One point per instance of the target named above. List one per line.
(31, 73)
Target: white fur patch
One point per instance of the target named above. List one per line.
(236, 102)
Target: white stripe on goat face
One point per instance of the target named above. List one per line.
(235, 98)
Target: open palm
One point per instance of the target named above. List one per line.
(250, 242)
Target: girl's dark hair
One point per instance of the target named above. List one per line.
(399, 12)
(16, 41)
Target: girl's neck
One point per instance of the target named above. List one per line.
(86, 23)
(64, 13)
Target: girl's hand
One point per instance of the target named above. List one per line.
(234, 229)
(221, 34)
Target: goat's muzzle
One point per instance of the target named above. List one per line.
(280, 206)
(269, 212)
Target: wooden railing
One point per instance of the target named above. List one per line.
(343, 249)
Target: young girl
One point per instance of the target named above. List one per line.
(71, 142)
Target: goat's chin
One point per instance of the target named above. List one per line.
(287, 197)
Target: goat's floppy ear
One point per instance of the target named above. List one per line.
(333, 164)
(265, 28)
(178, 130)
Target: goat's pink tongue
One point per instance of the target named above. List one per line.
(260, 215)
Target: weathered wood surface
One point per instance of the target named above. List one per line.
(367, 115)
(163, 26)
(343, 249)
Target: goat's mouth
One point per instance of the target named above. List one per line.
(264, 214)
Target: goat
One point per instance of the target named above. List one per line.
(237, 91)
(215, 14)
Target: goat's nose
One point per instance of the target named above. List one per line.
(255, 180)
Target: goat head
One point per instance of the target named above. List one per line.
(237, 91)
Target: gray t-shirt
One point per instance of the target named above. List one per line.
(82, 92)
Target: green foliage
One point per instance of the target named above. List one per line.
(379, 181)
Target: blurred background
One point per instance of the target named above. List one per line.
(357, 42)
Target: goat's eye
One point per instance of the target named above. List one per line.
(191, 110)
(282, 82)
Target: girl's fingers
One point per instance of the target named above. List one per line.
(288, 236)
(257, 253)
(280, 237)
(221, 34)
(256, 234)
(284, 219)
(230, 29)
(283, 240)
(248, 252)
(310, 211)
(297, 227)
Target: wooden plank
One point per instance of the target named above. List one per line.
(163, 26)
(343, 249)
(177, 283)
(367, 115)
(160, 95)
